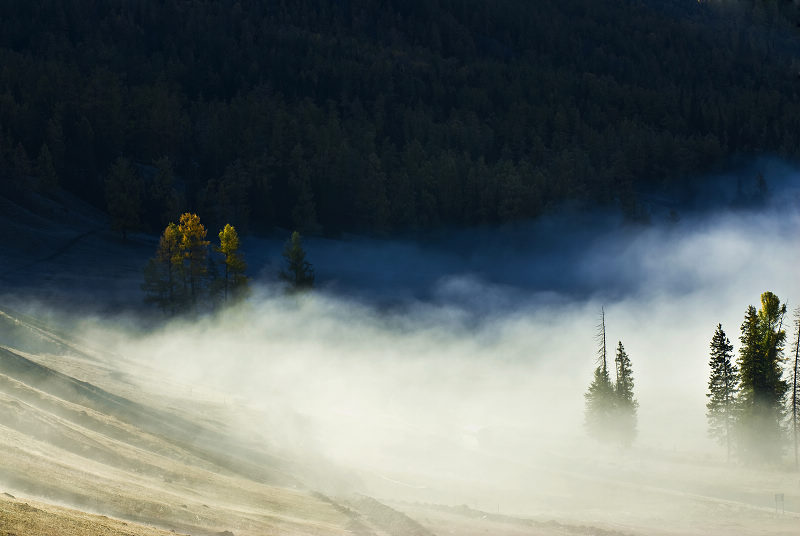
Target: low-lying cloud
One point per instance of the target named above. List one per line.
(484, 350)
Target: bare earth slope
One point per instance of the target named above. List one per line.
(34, 518)
(68, 440)
(89, 450)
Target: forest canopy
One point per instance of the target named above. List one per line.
(373, 116)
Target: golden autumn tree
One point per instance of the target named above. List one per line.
(235, 281)
(194, 248)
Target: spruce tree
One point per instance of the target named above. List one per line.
(163, 193)
(723, 386)
(123, 190)
(298, 271)
(763, 389)
(599, 415)
(46, 171)
(626, 404)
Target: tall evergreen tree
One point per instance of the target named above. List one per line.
(298, 272)
(163, 275)
(600, 407)
(123, 190)
(600, 397)
(723, 385)
(234, 280)
(763, 388)
(626, 404)
(46, 171)
(164, 197)
(195, 254)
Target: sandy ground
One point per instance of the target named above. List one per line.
(34, 518)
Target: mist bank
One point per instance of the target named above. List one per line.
(484, 334)
(480, 329)
(474, 394)
(453, 371)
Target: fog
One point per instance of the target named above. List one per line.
(456, 372)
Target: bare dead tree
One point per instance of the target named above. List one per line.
(601, 339)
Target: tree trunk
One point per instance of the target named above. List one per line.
(603, 327)
(226, 279)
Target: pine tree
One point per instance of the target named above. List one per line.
(304, 212)
(600, 397)
(170, 255)
(46, 171)
(723, 386)
(763, 390)
(214, 290)
(163, 193)
(600, 406)
(194, 247)
(626, 404)
(164, 273)
(20, 163)
(124, 197)
(54, 136)
(298, 271)
(234, 281)
(154, 285)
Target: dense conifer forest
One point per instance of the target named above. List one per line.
(373, 116)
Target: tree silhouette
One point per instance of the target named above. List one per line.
(763, 388)
(626, 404)
(723, 386)
(123, 197)
(164, 282)
(298, 272)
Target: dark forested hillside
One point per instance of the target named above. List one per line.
(333, 115)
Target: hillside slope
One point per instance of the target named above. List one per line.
(371, 116)
(138, 456)
(94, 430)
(95, 445)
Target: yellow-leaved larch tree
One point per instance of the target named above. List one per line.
(235, 281)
